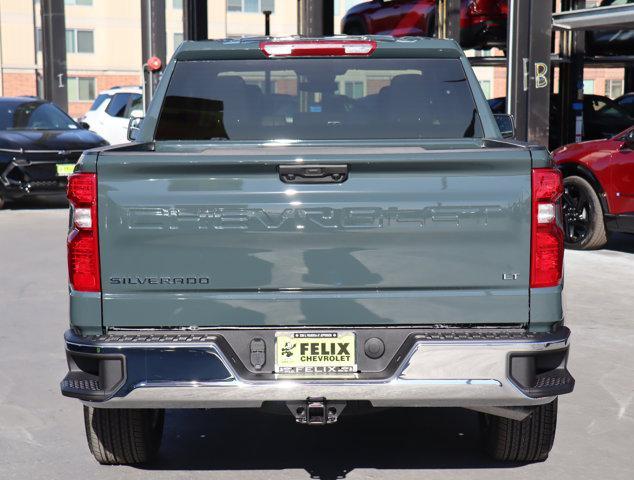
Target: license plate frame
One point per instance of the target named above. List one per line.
(319, 353)
(64, 169)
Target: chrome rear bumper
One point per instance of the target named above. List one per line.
(522, 371)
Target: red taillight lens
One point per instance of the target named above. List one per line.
(83, 240)
(321, 48)
(547, 235)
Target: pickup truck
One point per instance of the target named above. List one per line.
(315, 226)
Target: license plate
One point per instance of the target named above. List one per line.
(315, 353)
(65, 169)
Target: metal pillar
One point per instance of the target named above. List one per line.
(528, 76)
(448, 19)
(316, 18)
(572, 48)
(152, 43)
(328, 17)
(54, 52)
(267, 24)
(629, 78)
(195, 20)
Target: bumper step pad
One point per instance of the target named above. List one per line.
(552, 384)
(81, 384)
(93, 376)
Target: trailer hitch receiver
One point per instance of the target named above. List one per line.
(316, 411)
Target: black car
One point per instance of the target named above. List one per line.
(39, 146)
(627, 102)
(602, 118)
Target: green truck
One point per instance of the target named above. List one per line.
(312, 225)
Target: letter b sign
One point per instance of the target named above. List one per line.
(541, 75)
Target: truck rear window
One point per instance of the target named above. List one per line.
(318, 99)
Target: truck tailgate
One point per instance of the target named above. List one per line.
(413, 236)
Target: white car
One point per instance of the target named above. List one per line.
(111, 111)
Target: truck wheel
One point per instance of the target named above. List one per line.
(1, 202)
(123, 436)
(528, 440)
(583, 215)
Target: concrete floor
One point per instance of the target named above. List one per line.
(42, 435)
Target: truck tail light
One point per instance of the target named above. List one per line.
(321, 48)
(83, 239)
(547, 235)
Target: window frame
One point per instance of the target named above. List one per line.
(243, 3)
(38, 39)
(73, 3)
(182, 39)
(74, 32)
(486, 87)
(78, 79)
(610, 83)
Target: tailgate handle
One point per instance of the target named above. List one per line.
(313, 173)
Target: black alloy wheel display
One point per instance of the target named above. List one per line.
(577, 213)
(583, 215)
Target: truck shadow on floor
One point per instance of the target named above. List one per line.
(621, 242)
(393, 439)
(38, 203)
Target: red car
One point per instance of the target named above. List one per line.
(599, 189)
(482, 22)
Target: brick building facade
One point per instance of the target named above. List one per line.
(26, 84)
(103, 42)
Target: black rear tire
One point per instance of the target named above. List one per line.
(528, 440)
(123, 436)
(583, 215)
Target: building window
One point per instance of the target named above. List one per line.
(39, 83)
(86, 3)
(614, 88)
(250, 6)
(486, 88)
(353, 89)
(481, 53)
(588, 87)
(178, 39)
(81, 89)
(77, 41)
(177, 4)
(234, 5)
(80, 41)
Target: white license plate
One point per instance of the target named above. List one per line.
(64, 169)
(315, 353)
